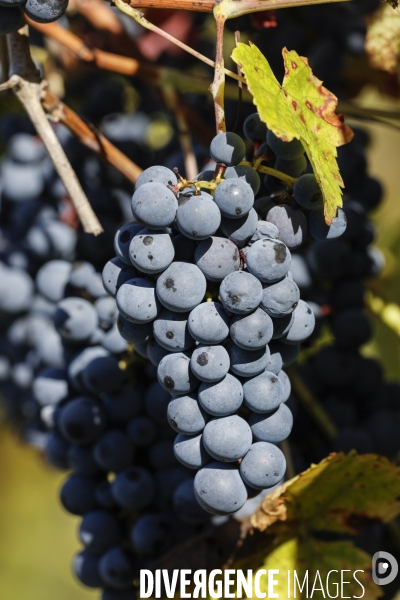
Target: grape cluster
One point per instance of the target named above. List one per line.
(12, 12)
(332, 275)
(204, 291)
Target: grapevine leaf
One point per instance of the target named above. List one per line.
(318, 558)
(382, 43)
(299, 108)
(340, 494)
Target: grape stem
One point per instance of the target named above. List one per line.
(269, 171)
(24, 79)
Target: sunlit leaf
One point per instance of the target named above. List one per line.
(299, 108)
(383, 39)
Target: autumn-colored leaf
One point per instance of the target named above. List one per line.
(382, 43)
(299, 108)
(339, 494)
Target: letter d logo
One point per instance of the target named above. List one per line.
(384, 568)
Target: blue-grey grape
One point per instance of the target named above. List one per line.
(151, 251)
(198, 216)
(247, 363)
(253, 331)
(281, 298)
(240, 230)
(181, 287)
(263, 466)
(175, 375)
(171, 331)
(216, 257)
(227, 148)
(228, 438)
(272, 427)
(190, 451)
(137, 300)
(156, 174)
(268, 260)
(154, 205)
(186, 416)
(234, 198)
(240, 292)
(219, 489)
(208, 323)
(302, 326)
(210, 363)
(221, 398)
(123, 238)
(263, 393)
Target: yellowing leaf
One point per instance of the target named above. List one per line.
(299, 108)
(312, 560)
(383, 39)
(339, 494)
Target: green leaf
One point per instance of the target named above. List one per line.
(339, 494)
(314, 556)
(299, 108)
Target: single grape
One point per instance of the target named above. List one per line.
(82, 420)
(175, 375)
(50, 386)
(45, 12)
(123, 238)
(272, 427)
(268, 260)
(134, 333)
(228, 438)
(171, 331)
(186, 416)
(98, 531)
(251, 332)
(286, 150)
(307, 193)
(186, 505)
(302, 326)
(190, 451)
(240, 231)
(103, 375)
(219, 489)
(227, 148)
(181, 287)
(244, 173)
(263, 466)
(116, 568)
(240, 292)
(156, 174)
(86, 569)
(234, 198)
(263, 393)
(247, 363)
(292, 224)
(198, 216)
(75, 319)
(151, 535)
(134, 488)
(254, 129)
(320, 231)
(115, 273)
(154, 205)
(77, 494)
(208, 323)
(52, 278)
(280, 299)
(216, 257)
(151, 251)
(221, 398)
(137, 300)
(210, 363)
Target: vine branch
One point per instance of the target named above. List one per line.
(27, 86)
(236, 8)
(217, 87)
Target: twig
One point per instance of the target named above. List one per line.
(236, 8)
(312, 405)
(240, 89)
(88, 135)
(129, 66)
(26, 84)
(217, 87)
(173, 104)
(139, 17)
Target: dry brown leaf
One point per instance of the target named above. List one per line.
(382, 43)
